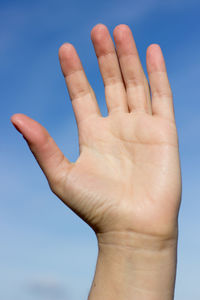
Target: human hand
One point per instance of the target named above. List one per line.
(127, 177)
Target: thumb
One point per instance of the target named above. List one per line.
(49, 157)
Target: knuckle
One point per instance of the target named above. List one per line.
(161, 93)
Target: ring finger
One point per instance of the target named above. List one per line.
(137, 87)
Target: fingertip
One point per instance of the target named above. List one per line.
(121, 29)
(31, 130)
(43, 147)
(154, 47)
(14, 118)
(17, 121)
(97, 30)
(154, 58)
(153, 50)
(20, 119)
(65, 50)
(69, 59)
(124, 40)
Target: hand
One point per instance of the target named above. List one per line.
(127, 177)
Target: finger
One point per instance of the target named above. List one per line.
(51, 160)
(115, 92)
(135, 80)
(162, 99)
(81, 93)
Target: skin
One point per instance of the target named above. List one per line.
(126, 183)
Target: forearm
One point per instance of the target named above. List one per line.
(134, 267)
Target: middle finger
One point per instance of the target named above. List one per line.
(115, 91)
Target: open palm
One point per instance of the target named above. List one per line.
(127, 176)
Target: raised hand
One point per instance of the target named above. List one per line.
(127, 177)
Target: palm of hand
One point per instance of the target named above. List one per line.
(127, 176)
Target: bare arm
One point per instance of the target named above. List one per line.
(126, 183)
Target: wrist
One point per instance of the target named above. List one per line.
(134, 266)
(132, 240)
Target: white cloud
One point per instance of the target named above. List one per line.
(47, 288)
(42, 264)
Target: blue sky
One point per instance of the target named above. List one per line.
(47, 252)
